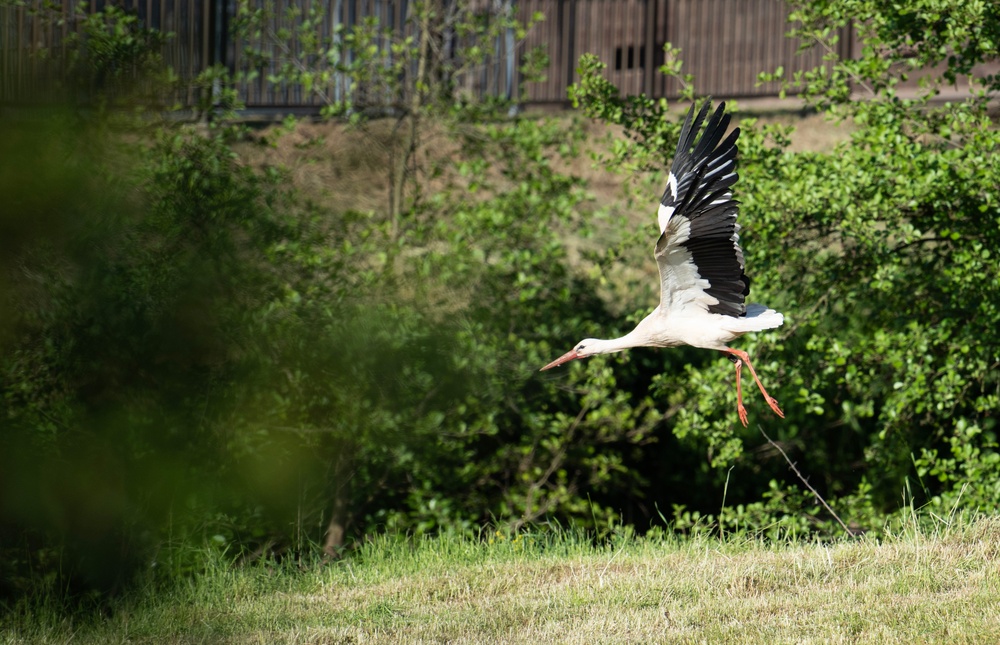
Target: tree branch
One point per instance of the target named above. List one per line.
(805, 481)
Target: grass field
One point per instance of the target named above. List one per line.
(917, 587)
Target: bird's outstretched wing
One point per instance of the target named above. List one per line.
(698, 252)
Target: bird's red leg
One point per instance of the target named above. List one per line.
(743, 356)
(740, 410)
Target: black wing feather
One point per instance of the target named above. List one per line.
(704, 174)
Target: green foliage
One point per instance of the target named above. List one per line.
(106, 59)
(474, 271)
(200, 357)
(131, 279)
(899, 40)
(414, 388)
(111, 45)
(367, 70)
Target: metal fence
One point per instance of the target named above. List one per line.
(724, 43)
(260, 92)
(496, 77)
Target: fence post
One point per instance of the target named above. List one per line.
(649, 73)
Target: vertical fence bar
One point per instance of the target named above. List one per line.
(649, 46)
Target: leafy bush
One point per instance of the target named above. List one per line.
(199, 356)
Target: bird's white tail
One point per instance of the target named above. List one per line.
(758, 318)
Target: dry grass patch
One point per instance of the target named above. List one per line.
(346, 167)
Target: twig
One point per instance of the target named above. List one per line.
(805, 481)
(854, 76)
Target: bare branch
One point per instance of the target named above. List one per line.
(805, 481)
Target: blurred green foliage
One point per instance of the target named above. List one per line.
(193, 354)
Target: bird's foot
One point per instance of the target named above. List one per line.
(742, 411)
(774, 406)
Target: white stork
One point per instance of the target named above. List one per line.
(702, 283)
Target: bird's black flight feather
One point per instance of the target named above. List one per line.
(704, 173)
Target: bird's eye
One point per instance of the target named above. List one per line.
(580, 348)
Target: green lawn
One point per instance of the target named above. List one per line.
(939, 586)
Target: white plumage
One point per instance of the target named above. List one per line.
(702, 281)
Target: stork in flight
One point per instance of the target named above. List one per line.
(702, 283)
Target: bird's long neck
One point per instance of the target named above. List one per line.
(644, 334)
(613, 345)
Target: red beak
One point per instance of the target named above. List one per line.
(565, 358)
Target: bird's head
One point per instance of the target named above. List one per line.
(586, 347)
